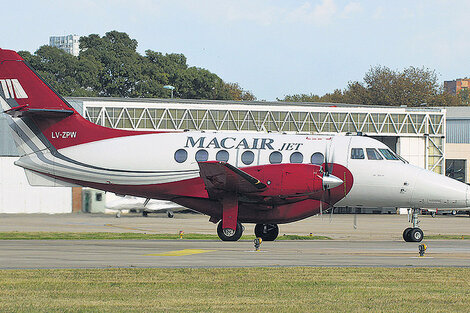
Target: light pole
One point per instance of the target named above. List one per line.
(171, 88)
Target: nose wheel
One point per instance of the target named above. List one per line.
(413, 234)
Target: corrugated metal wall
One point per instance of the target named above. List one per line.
(458, 131)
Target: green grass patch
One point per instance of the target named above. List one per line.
(124, 236)
(282, 289)
(447, 237)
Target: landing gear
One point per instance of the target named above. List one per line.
(413, 234)
(145, 213)
(170, 214)
(229, 234)
(267, 232)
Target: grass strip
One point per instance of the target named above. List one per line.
(123, 236)
(297, 289)
(447, 237)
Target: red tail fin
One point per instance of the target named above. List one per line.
(24, 94)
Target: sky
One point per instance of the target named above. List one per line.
(271, 48)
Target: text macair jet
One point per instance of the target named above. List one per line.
(234, 178)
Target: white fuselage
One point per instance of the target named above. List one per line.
(171, 157)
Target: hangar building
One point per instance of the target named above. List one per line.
(418, 134)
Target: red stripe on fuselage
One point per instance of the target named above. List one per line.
(75, 130)
(191, 193)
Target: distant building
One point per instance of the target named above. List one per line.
(69, 44)
(454, 86)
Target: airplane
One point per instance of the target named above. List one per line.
(119, 203)
(233, 177)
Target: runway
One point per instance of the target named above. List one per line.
(46, 254)
(376, 242)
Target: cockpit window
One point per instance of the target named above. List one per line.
(357, 153)
(372, 154)
(389, 155)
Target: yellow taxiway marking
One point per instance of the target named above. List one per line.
(181, 252)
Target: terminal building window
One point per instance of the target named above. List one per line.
(357, 153)
(202, 155)
(275, 157)
(181, 155)
(456, 169)
(372, 154)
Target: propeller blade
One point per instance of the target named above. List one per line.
(355, 219)
(326, 172)
(321, 208)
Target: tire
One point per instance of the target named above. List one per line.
(238, 232)
(170, 214)
(267, 232)
(416, 235)
(406, 234)
(145, 213)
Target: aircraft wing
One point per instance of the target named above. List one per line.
(221, 177)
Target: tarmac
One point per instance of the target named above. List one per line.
(376, 241)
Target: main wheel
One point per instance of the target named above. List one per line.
(406, 234)
(145, 213)
(416, 235)
(267, 232)
(170, 214)
(228, 234)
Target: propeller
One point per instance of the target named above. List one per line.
(329, 181)
(355, 219)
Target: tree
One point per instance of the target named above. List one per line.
(464, 96)
(110, 66)
(383, 86)
(237, 93)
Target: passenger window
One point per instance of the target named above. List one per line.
(248, 157)
(296, 157)
(222, 156)
(317, 158)
(202, 155)
(275, 157)
(388, 154)
(372, 154)
(357, 153)
(181, 155)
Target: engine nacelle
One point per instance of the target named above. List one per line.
(288, 179)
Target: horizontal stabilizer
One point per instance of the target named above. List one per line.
(221, 177)
(37, 179)
(24, 110)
